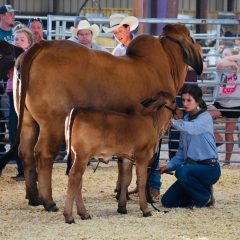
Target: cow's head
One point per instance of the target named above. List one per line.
(191, 50)
(8, 54)
(163, 107)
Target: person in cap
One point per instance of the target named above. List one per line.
(7, 18)
(122, 27)
(85, 33)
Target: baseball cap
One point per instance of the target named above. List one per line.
(7, 8)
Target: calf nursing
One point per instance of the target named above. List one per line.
(101, 134)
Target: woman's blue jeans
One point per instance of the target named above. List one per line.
(193, 185)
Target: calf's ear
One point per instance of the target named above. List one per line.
(147, 102)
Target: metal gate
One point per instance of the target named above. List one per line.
(58, 27)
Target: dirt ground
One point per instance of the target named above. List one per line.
(18, 220)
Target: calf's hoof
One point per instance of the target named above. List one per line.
(70, 221)
(122, 210)
(85, 216)
(147, 214)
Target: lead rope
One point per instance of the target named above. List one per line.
(154, 167)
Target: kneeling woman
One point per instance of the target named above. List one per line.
(196, 161)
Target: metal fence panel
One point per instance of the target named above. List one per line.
(208, 81)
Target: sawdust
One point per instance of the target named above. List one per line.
(18, 220)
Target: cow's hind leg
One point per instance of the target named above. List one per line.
(50, 138)
(28, 139)
(125, 177)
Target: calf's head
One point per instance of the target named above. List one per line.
(162, 107)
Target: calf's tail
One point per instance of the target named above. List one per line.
(68, 136)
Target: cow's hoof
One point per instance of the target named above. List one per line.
(118, 195)
(122, 210)
(34, 202)
(52, 208)
(70, 221)
(147, 214)
(85, 216)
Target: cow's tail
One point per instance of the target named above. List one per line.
(68, 136)
(22, 67)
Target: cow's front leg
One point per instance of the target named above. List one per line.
(141, 168)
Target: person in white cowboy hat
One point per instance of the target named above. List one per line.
(122, 27)
(76, 22)
(85, 33)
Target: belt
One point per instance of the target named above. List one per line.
(206, 161)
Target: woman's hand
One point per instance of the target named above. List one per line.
(163, 169)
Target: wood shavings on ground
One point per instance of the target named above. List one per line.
(18, 220)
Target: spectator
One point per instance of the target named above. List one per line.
(36, 27)
(225, 104)
(7, 18)
(196, 168)
(22, 38)
(76, 22)
(82, 33)
(124, 29)
(122, 26)
(85, 33)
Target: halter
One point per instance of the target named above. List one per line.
(173, 110)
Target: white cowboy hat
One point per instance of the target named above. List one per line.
(84, 24)
(118, 20)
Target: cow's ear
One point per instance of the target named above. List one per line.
(192, 57)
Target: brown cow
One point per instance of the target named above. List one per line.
(100, 134)
(59, 75)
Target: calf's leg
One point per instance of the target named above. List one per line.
(141, 168)
(125, 177)
(81, 210)
(74, 191)
(124, 168)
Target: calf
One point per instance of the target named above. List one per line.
(101, 134)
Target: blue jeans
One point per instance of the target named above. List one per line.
(193, 185)
(12, 126)
(154, 175)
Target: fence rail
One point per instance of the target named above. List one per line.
(58, 27)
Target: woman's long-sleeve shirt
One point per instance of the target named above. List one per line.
(197, 140)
